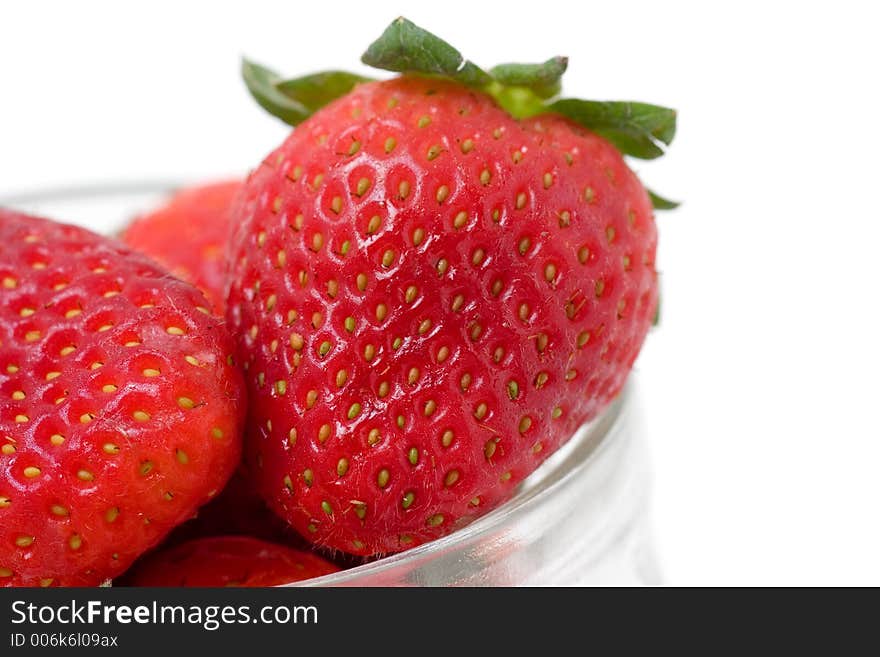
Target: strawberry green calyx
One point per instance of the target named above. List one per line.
(636, 129)
(295, 100)
(404, 47)
(519, 88)
(661, 203)
(544, 80)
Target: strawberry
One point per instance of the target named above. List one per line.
(227, 561)
(120, 414)
(187, 236)
(435, 282)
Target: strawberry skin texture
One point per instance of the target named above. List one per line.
(120, 414)
(227, 561)
(430, 298)
(187, 236)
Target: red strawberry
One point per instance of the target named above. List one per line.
(188, 234)
(227, 561)
(431, 296)
(119, 411)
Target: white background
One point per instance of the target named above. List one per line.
(759, 388)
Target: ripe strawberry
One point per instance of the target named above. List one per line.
(119, 412)
(187, 236)
(430, 294)
(227, 561)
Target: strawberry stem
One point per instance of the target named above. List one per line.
(543, 79)
(519, 102)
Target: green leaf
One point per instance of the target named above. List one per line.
(261, 83)
(661, 203)
(636, 129)
(293, 101)
(542, 79)
(404, 47)
(314, 91)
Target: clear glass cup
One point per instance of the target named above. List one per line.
(583, 518)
